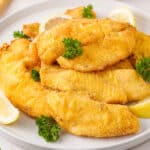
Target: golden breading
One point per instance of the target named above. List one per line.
(124, 64)
(110, 86)
(26, 94)
(103, 87)
(31, 30)
(75, 112)
(142, 47)
(76, 13)
(80, 115)
(104, 43)
(17, 83)
(33, 58)
(53, 22)
(133, 84)
(17, 45)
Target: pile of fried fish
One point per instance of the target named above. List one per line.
(86, 94)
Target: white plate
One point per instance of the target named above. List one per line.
(25, 131)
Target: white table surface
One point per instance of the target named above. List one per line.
(15, 5)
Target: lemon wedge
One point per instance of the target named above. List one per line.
(141, 109)
(123, 15)
(8, 113)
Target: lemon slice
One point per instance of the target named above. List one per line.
(141, 109)
(8, 113)
(123, 15)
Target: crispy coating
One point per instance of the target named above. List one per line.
(32, 30)
(18, 49)
(80, 115)
(76, 112)
(26, 94)
(124, 64)
(142, 47)
(33, 58)
(111, 86)
(102, 86)
(133, 84)
(54, 21)
(76, 13)
(104, 43)
(4, 47)
(97, 56)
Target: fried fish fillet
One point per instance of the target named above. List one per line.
(96, 56)
(110, 86)
(103, 86)
(31, 30)
(142, 47)
(133, 84)
(124, 64)
(75, 112)
(104, 43)
(26, 94)
(82, 116)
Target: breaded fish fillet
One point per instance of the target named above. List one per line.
(133, 84)
(104, 43)
(110, 86)
(103, 86)
(142, 47)
(80, 115)
(28, 95)
(31, 30)
(75, 112)
(124, 64)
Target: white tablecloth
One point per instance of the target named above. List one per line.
(5, 144)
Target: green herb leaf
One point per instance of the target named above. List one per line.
(20, 34)
(48, 128)
(35, 75)
(72, 48)
(143, 68)
(87, 12)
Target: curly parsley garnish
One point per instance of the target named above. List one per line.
(143, 68)
(48, 128)
(72, 48)
(87, 12)
(35, 75)
(20, 34)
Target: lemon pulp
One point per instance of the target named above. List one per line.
(123, 15)
(141, 109)
(8, 113)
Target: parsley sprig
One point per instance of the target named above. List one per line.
(35, 75)
(143, 68)
(72, 48)
(48, 128)
(87, 12)
(20, 34)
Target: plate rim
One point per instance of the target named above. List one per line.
(131, 142)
